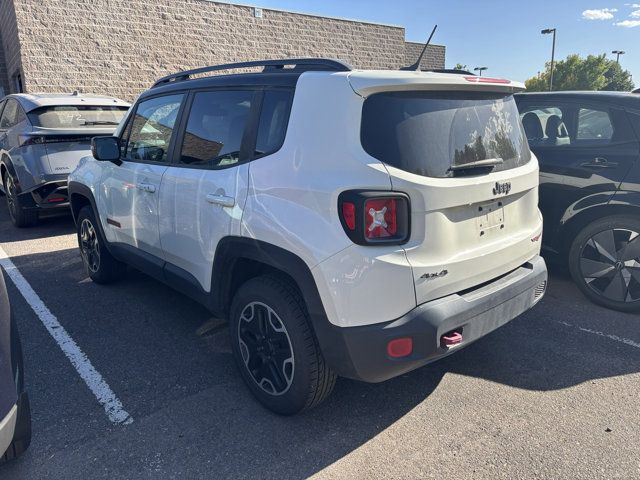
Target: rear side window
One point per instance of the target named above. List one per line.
(594, 125)
(431, 133)
(274, 119)
(215, 128)
(11, 115)
(77, 116)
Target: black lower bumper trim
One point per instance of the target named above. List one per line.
(361, 352)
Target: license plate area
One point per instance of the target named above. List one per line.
(490, 219)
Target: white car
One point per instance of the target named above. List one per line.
(346, 222)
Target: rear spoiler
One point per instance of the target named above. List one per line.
(366, 83)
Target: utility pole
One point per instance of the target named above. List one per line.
(547, 31)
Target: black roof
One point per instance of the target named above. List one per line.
(283, 72)
(619, 98)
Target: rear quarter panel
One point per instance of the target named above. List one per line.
(8, 394)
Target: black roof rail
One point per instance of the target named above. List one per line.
(450, 70)
(299, 64)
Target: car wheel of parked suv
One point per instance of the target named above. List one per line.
(275, 347)
(98, 262)
(20, 216)
(604, 261)
(22, 433)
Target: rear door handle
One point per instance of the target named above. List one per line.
(222, 200)
(146, 187)
(599, 162)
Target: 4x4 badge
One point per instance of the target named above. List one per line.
(429, 276)
(501, 188)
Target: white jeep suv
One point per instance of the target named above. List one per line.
(345, 222)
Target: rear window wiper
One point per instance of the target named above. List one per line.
(488, 163)
(100, 122)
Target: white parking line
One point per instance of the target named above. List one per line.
(616, 338)
(103, 393)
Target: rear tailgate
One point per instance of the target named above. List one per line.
(463, 234)
(456, 146)
(65, 148)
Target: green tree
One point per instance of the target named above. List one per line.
(460, 66)
(595, 72)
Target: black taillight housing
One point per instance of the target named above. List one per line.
(375, 217)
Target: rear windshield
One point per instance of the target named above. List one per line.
(77, 116)
(428, 133)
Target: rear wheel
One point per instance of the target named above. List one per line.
(100, 265)
(22, 434)
(20, 215)
(604, 261)
(275, 347)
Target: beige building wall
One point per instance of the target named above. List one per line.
(9, 45)
(119, 47)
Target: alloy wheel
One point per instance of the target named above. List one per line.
(89, 246)
(266, 348)
(610, 264)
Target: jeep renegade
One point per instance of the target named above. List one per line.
(346, 222)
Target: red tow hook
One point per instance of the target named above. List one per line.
(451, 339)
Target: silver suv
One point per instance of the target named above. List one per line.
(42, 138)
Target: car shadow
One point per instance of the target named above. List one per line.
(47, 227)
(148, 342)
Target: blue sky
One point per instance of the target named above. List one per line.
(502, 35)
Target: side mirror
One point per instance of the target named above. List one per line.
(106, 149)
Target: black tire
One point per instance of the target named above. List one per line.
(21, 216)
(22, 434)
(604, 261)
(98, 262)
(308, 379)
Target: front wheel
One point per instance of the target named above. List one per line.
(604, 261)
(98, 262)
(275, 347)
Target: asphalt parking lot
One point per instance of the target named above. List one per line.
(554, 394)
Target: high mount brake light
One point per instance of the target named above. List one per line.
(475, 79)
(370, 218)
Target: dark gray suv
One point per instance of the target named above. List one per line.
(15, 414)
(42, 139)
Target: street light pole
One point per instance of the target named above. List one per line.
(553, 53)
(480, 70)
(617, 53)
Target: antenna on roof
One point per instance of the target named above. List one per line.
(416, 66)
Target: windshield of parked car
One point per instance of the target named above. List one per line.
(77, 116)
(435, 133)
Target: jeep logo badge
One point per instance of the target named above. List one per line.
(501, 188)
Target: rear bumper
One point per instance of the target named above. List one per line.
(50, 195)
(361, 352)
(7, 429)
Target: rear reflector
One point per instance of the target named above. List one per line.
(400, 347)
(380, 218)
(486, 80)
(55, 199)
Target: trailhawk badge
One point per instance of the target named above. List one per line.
(502, 188)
